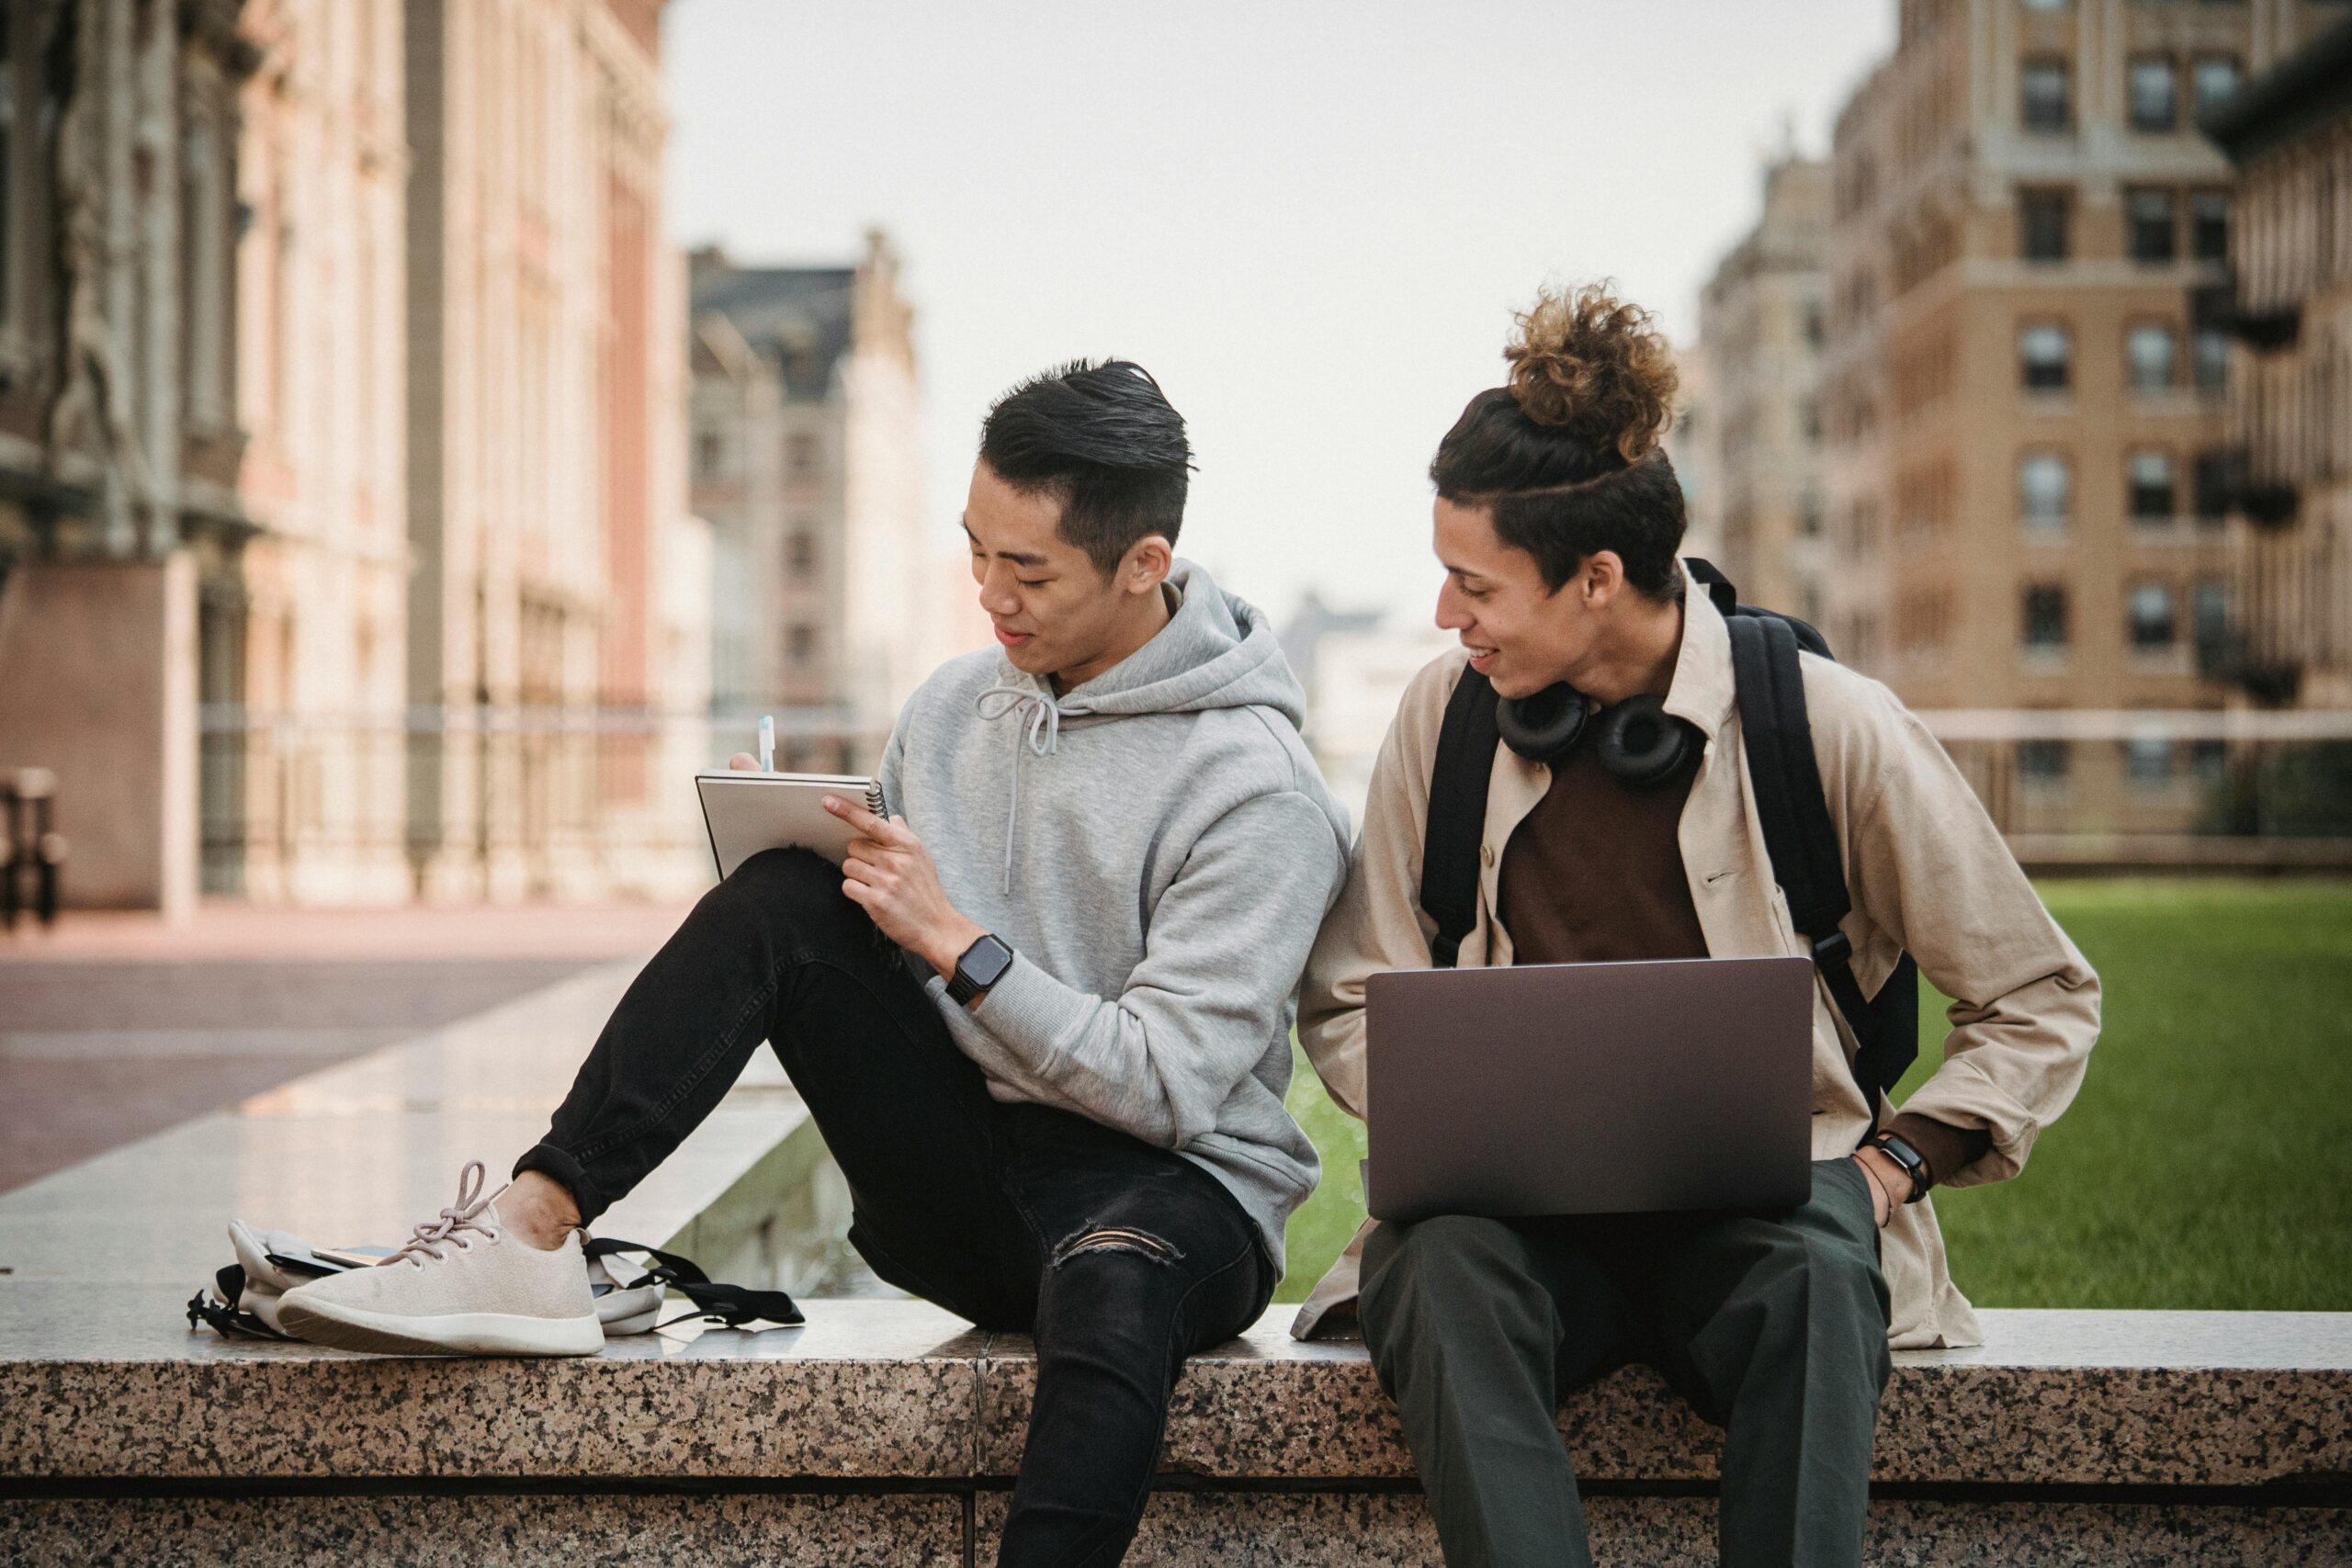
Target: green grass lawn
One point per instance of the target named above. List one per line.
(2207, 1161)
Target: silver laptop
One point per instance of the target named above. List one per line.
(1584, 1089)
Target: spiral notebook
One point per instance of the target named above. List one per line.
(747, 812)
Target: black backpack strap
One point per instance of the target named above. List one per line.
(733, 1305)
(1719, 588)
(1802, 843)
(1457, 814)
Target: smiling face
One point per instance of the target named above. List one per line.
(1055, 613)
(1522, 635)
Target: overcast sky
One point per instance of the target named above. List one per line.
(1310, 221)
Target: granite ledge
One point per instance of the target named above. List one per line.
(2147, 1398)
(115, 1385)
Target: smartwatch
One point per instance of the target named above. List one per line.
(1914, 1163)
(982, 965)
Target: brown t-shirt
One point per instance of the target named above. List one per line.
(1594, 874)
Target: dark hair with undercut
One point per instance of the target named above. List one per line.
(1565, 457)
(1103, 441)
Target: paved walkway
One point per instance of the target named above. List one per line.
(115, 1028)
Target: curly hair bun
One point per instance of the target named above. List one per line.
(1595, 367)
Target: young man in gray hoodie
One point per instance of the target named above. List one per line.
(1056, 1088)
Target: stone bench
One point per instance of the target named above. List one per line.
(887, 1431)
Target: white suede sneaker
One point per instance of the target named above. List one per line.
(462, 1286)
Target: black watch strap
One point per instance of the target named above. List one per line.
(1914, 1165)
(977, 971)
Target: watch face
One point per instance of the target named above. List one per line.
(986, 962)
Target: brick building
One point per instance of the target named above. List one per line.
(2026, 471)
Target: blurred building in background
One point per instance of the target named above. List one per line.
(1762, 320)
(345, 553)
(1354, 665)
(1690, 442)
(828, 605)
(2289, 301)
(119, 443)
(303, 649)
(545, 324)
(2028, 474)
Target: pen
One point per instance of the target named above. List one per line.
(768, 743)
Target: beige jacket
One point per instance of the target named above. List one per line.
(1928, 872)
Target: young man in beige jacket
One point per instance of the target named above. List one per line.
(1557, 522)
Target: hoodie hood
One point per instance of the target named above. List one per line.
(1216, 651)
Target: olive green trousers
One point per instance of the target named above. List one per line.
(1771, 1323)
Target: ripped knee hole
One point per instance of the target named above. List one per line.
(1115, 1238)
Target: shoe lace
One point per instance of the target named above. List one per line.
(460, 1217)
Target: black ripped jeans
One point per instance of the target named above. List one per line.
(1120, 1257)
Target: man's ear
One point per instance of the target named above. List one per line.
(1147, 563)
(1602, 578)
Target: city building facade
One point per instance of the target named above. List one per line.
(1762, 320)
(831, 600)
(2026, 474)
(305, 654)
(2289, 642)
(544, 413)
(121, 527)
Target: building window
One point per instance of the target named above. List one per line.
(1809, 420)
(2150, 486)
(2148, 222)
(2046, 5)
(2149, 350)
(801, 641)
(2212, 489)
(2155, 96)
(2210, 613)
(1815, 323)
(2210, 359)
(2149, 615)
(2208, 226)
(708, 450)
(800, 553)
(2045, 618)
(2042, 763)
(2043, 100)
(801, 456)
(2209, 761)
(2147, 762)
(2043, 353)
(2214, 80)
(2042, 224)
(1809, 511)
(2045, 492)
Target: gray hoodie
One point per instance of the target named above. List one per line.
(1159, 848)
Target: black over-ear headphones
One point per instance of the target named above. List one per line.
(1639, 742)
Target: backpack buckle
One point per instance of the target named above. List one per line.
(1832, 949)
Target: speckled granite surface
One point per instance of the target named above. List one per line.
(116, 1385)
(2146, 1398)
(866, 1389)
(739, 1531)
(1393, 1530)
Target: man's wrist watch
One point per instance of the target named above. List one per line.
(1914, 1164)
(982, 965)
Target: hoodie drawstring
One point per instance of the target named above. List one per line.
(1042, 736)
